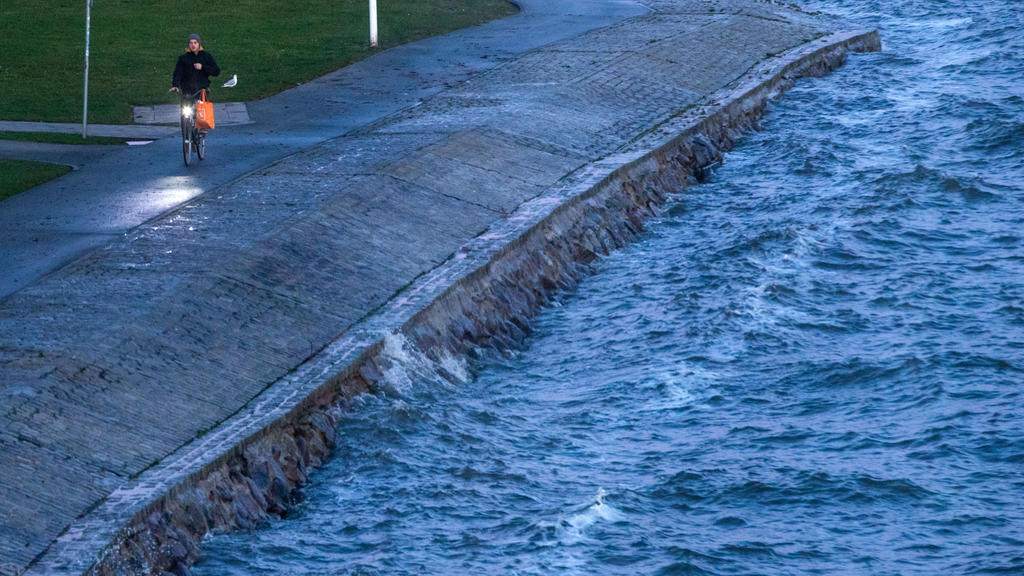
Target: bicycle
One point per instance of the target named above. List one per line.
(192, 139)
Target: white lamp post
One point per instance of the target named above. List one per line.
(373, 22)
(85, 94)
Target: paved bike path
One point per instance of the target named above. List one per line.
(47, 227)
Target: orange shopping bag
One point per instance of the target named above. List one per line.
(204, 113)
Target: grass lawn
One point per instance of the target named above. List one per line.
(17, 176)
(58, 138)
(272, 46)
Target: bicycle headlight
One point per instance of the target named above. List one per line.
(187, 111)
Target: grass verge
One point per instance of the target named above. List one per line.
(272, 46)
(16, 176)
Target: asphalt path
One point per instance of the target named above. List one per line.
(116, 191)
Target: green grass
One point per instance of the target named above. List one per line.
(17, 176)
(58, 138)
(272, 46)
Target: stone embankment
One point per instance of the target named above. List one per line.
(451, 223)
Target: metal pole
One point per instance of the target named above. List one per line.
(85, 94)
(373, 22)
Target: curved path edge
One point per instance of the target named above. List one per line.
(242, 471)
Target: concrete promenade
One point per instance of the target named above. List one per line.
(169, 299)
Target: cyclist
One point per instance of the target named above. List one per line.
(193, 70)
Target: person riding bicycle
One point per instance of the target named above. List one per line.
(193, 70)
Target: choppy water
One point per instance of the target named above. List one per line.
(813, 364)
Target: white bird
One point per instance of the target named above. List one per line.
(232, 82)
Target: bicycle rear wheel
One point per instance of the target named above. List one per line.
(200, 140)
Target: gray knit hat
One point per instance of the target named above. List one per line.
(196, 37)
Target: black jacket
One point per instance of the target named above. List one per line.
(190, 80)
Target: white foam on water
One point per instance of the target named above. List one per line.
(790, 270)
(574, 527)
(679, 387)
(939, 23)
(397, 363)
(567, 531)
(454, 368)
(760, 312)
(571, 529)
(404, 367)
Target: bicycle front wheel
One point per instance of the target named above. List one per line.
(186, 139)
